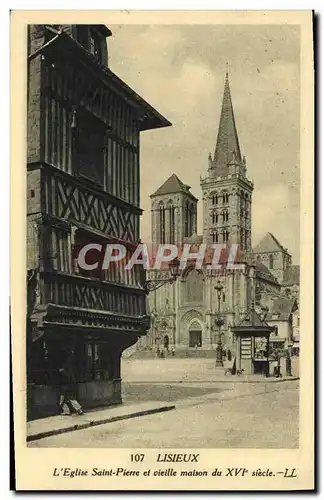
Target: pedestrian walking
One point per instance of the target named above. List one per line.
(68, 402)
(277, 368)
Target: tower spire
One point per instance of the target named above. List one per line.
(227, 146)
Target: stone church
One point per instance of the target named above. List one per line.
(183, 312)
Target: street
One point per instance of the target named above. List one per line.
(208, 414)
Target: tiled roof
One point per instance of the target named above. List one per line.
(262, 272)
(291, 276)
(282, 309)
(269, 243)
(173, 185)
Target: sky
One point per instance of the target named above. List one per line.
(180, 70)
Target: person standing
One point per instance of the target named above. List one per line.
(68, 402)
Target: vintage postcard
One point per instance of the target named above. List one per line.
(162, 250)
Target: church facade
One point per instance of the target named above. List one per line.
(183, 313)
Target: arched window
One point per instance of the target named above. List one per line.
(225, 198)
(215, 237)
(270, 261)
(215, 218)
(171, 223)
(162, 224)
(191, 220)
(225, 216)
(215, 199)
(187, 219)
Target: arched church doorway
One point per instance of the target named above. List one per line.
(195, 334)
(166, 342)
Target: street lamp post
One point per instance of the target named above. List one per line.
(219, 322)
(151, 285)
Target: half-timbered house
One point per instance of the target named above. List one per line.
(83, 185)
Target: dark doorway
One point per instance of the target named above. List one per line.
(195, 338)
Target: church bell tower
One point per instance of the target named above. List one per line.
(227, 192)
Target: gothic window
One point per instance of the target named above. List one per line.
(194, 287)
(191, 220)
(215, 237)
(215, 218)
(225, 216)
(215, 199)
(271, 261)
(172, 224)
(225, 236)
(162, 224)
(225, 198)
(187, 219)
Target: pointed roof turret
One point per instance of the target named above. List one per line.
(173, 185)
(227, 146)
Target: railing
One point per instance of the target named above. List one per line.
(78, 291)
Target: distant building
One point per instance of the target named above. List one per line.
(83, 186)
(184, 312)
(281, 318)
(271, 254)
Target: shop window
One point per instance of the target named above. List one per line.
(97, 362)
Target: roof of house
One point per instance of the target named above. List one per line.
(268, 244)
(67, 48)
(291, 276)
(173, 185)
(262, 272)
(281, 309)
